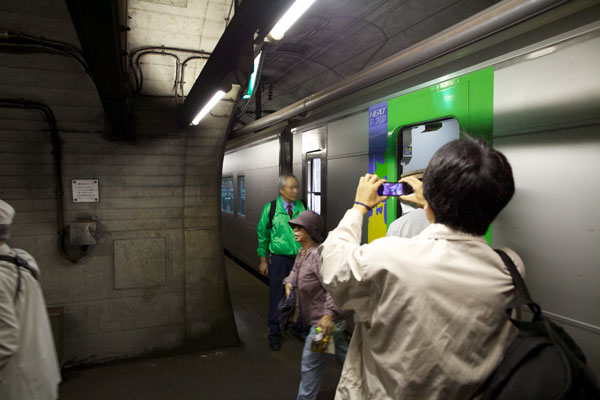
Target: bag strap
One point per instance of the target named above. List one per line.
(522, 296)
(272, 214)
(19, 261)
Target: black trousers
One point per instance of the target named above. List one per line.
(279, 268)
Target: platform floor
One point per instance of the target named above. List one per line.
(248, 372)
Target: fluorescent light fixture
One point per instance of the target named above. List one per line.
(211, 103)
(541, 53)
(288, 19)
(253, 77)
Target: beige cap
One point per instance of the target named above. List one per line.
(417, 173)
(7, 213)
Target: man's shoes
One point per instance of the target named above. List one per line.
(274, 345)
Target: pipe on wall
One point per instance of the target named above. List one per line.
(24, 43)
(137, 54)
(494, 19)
(57, 157)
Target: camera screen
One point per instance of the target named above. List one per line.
(392, 189)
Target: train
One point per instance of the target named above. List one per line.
(532, 90)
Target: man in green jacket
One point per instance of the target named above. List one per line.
(277, 239)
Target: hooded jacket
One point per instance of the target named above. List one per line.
(28, 363)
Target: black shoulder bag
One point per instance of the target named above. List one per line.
(543, 361)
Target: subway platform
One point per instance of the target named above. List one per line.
(248, 372)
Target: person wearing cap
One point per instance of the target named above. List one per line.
(28, 363)
(318, 308)
(276, 243)
(413, 219)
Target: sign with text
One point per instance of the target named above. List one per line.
(85, 191)
(378, 133)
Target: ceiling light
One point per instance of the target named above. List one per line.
(288, 19)
(211, 103)
(541, 53)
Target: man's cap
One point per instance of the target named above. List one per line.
(312, 222)
(7, 213)
(417, 173)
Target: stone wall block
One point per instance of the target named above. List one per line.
(140, 262)
(91, 349)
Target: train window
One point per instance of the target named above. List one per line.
(227, 201)
(419, 142)
(241, 182)
(313, 181)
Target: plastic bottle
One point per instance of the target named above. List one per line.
(319, 341)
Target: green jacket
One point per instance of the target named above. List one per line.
(280, 239)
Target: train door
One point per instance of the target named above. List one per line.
(314, 169)
(467, 100)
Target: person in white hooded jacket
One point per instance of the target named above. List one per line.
(28, 364)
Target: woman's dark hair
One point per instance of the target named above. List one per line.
(467, 183)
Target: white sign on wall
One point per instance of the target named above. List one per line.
(85, 191)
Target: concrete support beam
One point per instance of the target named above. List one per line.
(209, 318)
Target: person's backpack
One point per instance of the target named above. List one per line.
(272, 212)
(19, 262)
(543, 361)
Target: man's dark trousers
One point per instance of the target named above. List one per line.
(279, 268)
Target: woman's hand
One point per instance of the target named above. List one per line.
(366, 192)
(288, 290)
(326, 324)
(417, 197)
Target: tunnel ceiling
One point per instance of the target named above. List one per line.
(333, 40)
(189, 29)
(168, 41)
(338, 38)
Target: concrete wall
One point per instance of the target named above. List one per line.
(155, 280)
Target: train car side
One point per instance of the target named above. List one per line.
(545, 118)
